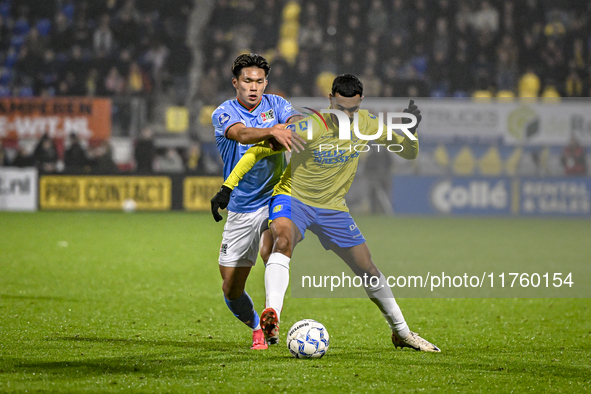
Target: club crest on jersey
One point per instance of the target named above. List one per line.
(277, 208)
(268, 116)
(223, 118)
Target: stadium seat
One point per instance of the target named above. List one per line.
(438, 93)
(505, 96)
(482, 95)
(17, 42)
(26, 91)
(291, 11)
(11, 58)
(5, 9)
(5, 76)
(21, 27)
(490, 163)
(289, 49)
(464, 163)
(68, 11)
(4, 91)
(44, 27)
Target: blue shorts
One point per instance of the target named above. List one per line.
(332, 227)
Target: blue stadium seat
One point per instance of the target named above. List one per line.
(11, 58)
(5, 76)
(68, 10)
(21, 27)
(17, 42)
(26, 91)
(438, 93)
(44, 27)
(5, 9)
(4, 91)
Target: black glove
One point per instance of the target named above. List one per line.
(413, 109)
(220, 201)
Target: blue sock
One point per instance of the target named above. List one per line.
(243, 309)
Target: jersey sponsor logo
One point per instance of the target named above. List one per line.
(224, 249)
(277, 208)
(353, 227)
(268, 116)
(224, 118)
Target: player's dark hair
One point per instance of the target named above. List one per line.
(347, 85)
(250, 60)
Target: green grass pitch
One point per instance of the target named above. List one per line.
(111, 302)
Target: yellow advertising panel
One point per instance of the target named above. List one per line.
(104, 192)
(198, 192)
(177, 119)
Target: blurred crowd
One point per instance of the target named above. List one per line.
(78, 156)
(92, 47)
(437, 48)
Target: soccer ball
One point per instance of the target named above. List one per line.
(128, 205)
(307, 339)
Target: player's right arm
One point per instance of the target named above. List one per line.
(245, 164)
(247, 161)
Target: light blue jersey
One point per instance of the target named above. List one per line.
(255, 189)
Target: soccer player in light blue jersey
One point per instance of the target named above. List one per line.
(239, 123)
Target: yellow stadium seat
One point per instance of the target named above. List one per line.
(504, 96)
(482, 95)
(324, 82)
(491, 163)
(205, 115)
(464, 162)
(440, 155)
(290, 30)
(177, 119)
(291, 11)
(289, 49)
(512, 163)
(529, 85)
(550, 94)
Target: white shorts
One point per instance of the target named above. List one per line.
(242, 236)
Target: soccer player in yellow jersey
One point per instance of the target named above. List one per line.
(310, 195)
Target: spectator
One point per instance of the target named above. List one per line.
(574, 159)
(3, 156)
(114, 83)
(81, 33)
(61, 34)
(23, 158)
(170, 162)
(103, 36)
(75, 159)
(195, 159)
(487, 18)
(101, 160)
(144, 152)
(46, 155)
(155, 58)
(137, 80)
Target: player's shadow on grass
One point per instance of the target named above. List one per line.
(159, 360)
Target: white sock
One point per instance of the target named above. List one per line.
(382, 296)
(276, 281)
